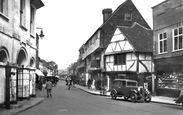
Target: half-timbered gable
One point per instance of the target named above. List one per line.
(129, 47)
(130, 51)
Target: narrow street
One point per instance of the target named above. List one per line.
(78, 102)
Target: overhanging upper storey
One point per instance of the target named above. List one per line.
(92, 44)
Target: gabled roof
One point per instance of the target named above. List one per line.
(140, 37)
(117, 18)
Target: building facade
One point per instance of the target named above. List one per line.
(130, 55)
(93, 50)
(168, 43)
(17, 38)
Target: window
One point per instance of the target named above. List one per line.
(162, 43)
(131, 83)
(178, 38)
(128, 17)
(32, 14)
(22, 13)
(4, 7)
(120, 59)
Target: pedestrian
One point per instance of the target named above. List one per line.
(48, 88)
(69, 82)
(89, 83)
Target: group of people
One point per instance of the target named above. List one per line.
(91, 84)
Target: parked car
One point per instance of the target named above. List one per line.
(179, 100)
(129, 90)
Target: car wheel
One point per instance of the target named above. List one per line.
(133, 97)
(113, 95)
(125, 98)
(148, 98)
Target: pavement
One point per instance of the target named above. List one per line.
(27, 104)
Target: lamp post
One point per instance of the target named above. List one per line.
(41, 36)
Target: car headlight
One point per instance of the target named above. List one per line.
(139, 88)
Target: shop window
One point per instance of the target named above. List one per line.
(178, 39)
(170, 81)
(162, 42)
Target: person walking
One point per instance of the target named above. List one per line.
(49, 88)
(69, 82)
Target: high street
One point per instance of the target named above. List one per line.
(78, 102)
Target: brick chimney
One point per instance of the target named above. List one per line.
(106, 13)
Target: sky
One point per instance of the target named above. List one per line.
(67, 24)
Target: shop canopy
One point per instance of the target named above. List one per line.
(39, 73)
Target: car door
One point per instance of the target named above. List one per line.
(122, 87)
(118, 87)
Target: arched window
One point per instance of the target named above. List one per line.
(3, 55)
(32, 62)
(21, 58)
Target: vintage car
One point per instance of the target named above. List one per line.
(179, 100)
(129, 90)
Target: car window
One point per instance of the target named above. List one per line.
(116, 83)
(131, 83)
(123, 83)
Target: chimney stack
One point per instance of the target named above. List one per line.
(106, 13)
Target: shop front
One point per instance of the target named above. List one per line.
(169, 76)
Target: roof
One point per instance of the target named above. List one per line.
(140, 38)
(117, 19)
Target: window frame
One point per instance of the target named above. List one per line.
(4, 9)
(32, 20)
(128, 17)
(179, 46)
(23, 14)
(162, 51)
(120, 59)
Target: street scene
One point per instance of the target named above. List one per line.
(100, 57)
(78, 102)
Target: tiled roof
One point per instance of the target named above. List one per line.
(117, 19)
(141, 38)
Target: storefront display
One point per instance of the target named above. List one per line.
(169, 84)
(23, 83)
(170, 81)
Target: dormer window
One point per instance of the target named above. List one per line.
(128, 17)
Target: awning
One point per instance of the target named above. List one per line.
(39, 73)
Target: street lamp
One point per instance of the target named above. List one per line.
(41, 35)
